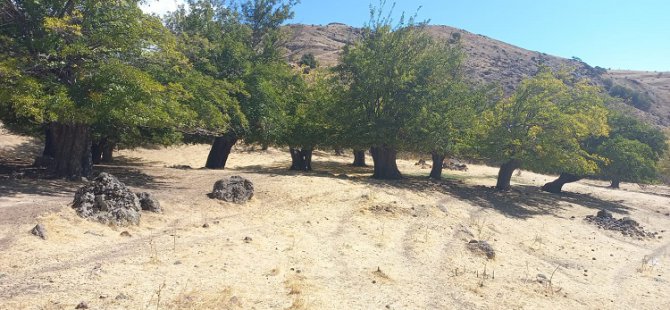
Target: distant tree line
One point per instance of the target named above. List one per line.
(93, 76)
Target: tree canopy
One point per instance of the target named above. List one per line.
(540, 127)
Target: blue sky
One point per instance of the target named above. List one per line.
(617, 34)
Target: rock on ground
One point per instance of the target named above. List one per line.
(627, 226)
(234, 189)
(482, 247)
(108, 201)
(149, 203)
(39, 231)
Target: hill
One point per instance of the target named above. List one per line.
(492, 61)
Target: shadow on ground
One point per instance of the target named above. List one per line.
(18, 179)
(521, 202)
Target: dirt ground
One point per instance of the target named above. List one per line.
(329, 239)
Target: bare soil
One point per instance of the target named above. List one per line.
(329, 239)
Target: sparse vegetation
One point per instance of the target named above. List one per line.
(309, 60)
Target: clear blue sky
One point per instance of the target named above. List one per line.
(617, 34)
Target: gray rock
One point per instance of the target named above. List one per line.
(234, 189)
(482, 247)
(39, 231)
(107, 201)
(149, 203)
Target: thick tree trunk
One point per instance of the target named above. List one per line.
(384, 159)
(436, 172)
(616, 184)
(71, 150)
(301, 159)
(505, 174)
(556, 186)
(359, 158)
(218, 154)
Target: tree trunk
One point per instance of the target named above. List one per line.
(505, 174)
(218, 154)
(301, 159)
(97, 149)
(616, 184)
(384, 159)
(108, 152)
(359, 158)
(49, 144)
(556, 186)
(436, 172)
(96, 153)
(72, 150)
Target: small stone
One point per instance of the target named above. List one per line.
(247, 239)
(205, 225)
(82, 305)
(593, 258)
(39, 231)
(216, 222)
(125, 233)
(121, 296)
(374, 282)
(149, 203)
(177, 262)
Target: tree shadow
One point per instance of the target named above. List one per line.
(23, 179)
(133, 176)
(22, 153)
(523, 201)
(326, 169)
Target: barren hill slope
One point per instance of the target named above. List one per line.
(489, 61)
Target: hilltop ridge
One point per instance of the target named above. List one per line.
(492, 61)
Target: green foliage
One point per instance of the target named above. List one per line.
(309, 60)
(543, 124)
(628, 160)
(243, 84)
(307, 122)
(631, 151)
(80, 62)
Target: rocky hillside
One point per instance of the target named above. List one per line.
(493, 61)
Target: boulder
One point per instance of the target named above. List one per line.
(149, 203)
(39, 231)
(234, 189)
(108, 201)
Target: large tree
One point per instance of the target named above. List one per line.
(389, 73)
(447, 126)
(69, 67)
(540, 127)
(629, 154)
(239, 42)
(306, 124)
